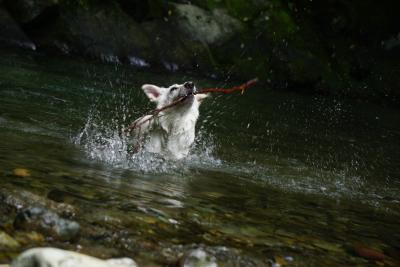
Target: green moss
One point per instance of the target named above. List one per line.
(277, 23)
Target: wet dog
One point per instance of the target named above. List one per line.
(172, 132)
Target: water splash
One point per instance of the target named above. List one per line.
(105, 141)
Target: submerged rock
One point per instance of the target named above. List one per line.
(369, 253)
(17, 199)
(11, 33)
(37, 218)
(7, 242)
(21, 172)
(53, 257)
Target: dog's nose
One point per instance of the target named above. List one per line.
(189, 85)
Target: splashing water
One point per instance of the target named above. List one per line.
(106, 142)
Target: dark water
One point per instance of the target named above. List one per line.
(272, 175)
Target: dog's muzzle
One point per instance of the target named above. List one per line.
(189, 86)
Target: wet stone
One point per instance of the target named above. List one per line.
(42, 220)
(52, 257)
(198, 258)
(17, 199)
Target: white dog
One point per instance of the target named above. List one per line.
(172, 131)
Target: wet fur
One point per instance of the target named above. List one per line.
(172, 132)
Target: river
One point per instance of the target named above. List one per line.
(273, 176)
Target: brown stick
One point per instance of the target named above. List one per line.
(241, 87)
(155, 112)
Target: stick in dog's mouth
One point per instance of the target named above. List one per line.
(194, 92)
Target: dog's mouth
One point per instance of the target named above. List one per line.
(190, 88)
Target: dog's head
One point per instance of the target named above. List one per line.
(164, 96)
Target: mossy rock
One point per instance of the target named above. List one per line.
(210, 27)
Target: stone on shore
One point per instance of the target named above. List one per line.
(53, 257)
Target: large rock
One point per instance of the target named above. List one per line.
(177, 52)
(278, 51)
(102, 31)
(210, 27)
(52, 257)
(11, 33)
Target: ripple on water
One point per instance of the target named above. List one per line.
(104, 142)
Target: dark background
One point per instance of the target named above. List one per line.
(346, 48)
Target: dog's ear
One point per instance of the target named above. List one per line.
(153, 92)
(201, 97)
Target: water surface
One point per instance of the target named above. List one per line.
(272, 175)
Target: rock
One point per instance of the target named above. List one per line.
(11, 34)
(198, 258)
(39, 219)
(177, 52)
(17, 199)
(7, 242)
(102, 31)
(210, 27)
(27, 10)
(53, 257)
(21, 172)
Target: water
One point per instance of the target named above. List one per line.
(272, 175)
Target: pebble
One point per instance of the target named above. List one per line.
(369, 253)
(21, 172)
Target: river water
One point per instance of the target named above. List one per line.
(274, 177)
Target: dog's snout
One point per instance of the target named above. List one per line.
(189, 85)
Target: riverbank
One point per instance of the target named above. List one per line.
(333, 49)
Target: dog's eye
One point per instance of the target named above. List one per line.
(173, 88)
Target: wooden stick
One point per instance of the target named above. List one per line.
(155, 112)
(241, 87)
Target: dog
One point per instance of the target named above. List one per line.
(172, 131)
